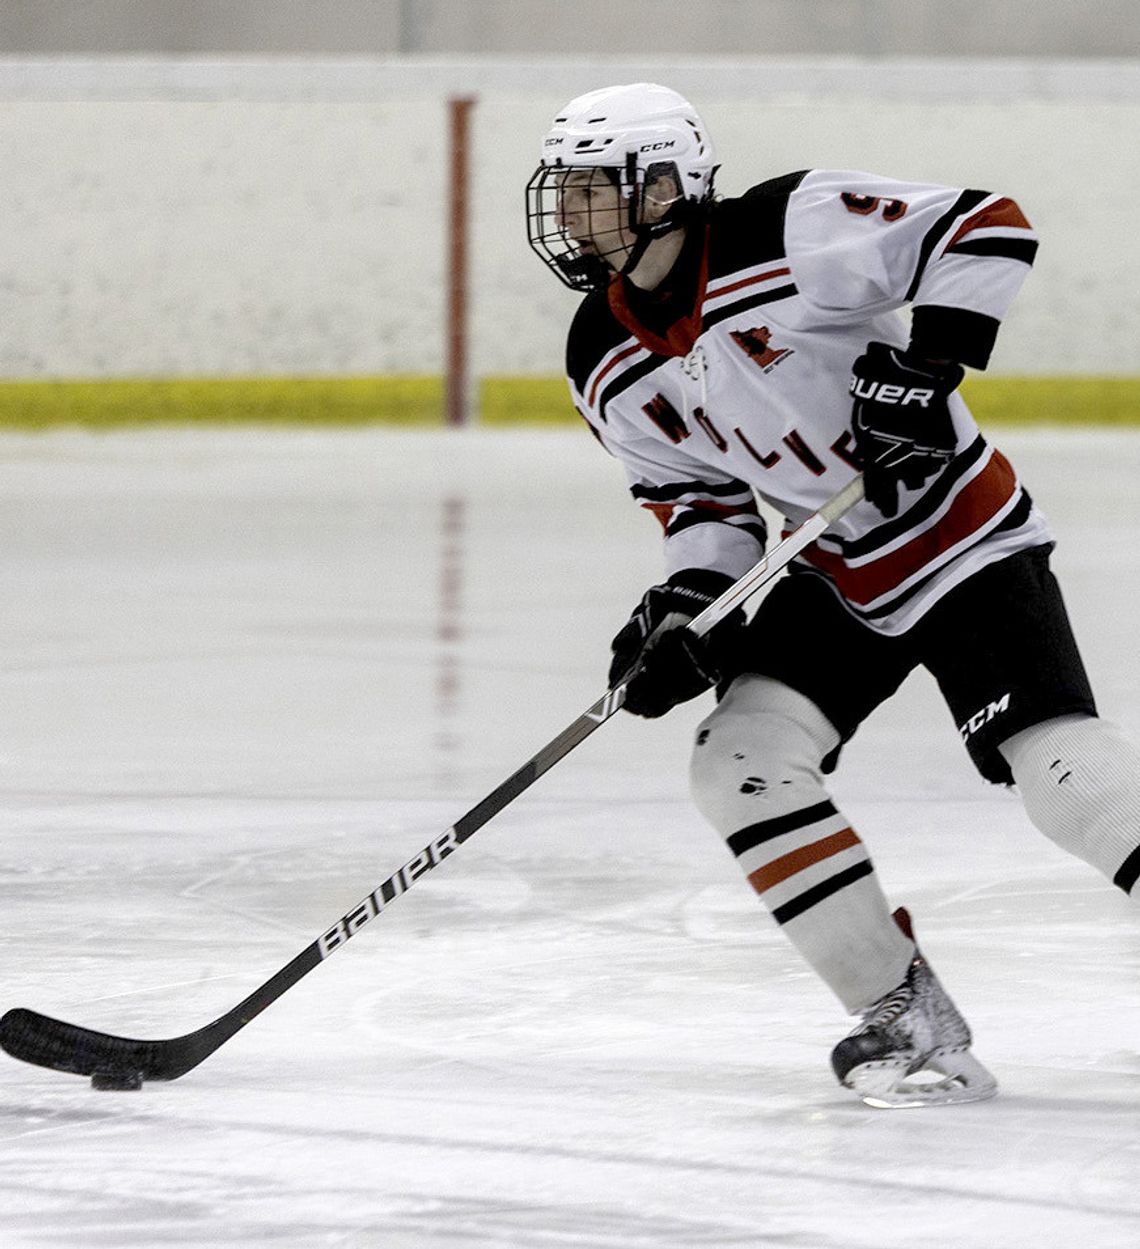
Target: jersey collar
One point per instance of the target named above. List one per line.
(666, 321)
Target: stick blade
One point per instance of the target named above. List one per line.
(46, 1042)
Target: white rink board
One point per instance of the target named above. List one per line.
(248, 674)
(236, 218)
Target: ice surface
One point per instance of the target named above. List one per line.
(246, 675)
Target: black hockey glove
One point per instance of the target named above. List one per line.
(670, 665)
(903, 429)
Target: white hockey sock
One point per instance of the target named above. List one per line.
(1079, 778)
(756, 777)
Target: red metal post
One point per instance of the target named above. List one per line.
(457, 383)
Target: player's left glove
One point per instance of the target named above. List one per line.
(663, 663)
(901, 416)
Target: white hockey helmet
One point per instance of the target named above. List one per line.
(633, 132)
(640, 122)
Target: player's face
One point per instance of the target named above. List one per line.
(592, 211)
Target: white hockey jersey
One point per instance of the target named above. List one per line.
(737, 387)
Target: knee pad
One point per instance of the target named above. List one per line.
(759, 754)
(1079, 778)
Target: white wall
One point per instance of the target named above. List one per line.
(642, 28)
(252, 218)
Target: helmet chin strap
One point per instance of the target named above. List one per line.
(679, 213)
(677, 217)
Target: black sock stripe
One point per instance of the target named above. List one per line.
(754, 834)
(1129, 871)
(810, 897)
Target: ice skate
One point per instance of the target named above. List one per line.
(912, 1047)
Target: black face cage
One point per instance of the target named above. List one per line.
(581, 270)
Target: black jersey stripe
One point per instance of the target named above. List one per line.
(743, 305)
(692, 516)
(688, 518)
(673, 491)
(819, 893)
(965, 202)
(1024, 250)
(757, 526)
(755, 834)
(623, 381)
(922, 510)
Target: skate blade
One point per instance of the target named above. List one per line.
(946, 1079)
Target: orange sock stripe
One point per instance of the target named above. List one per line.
(763, 878)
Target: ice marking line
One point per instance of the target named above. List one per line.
(993, 892)
(194, 891)
(241, 861)
(751, 1170)
(156, 988)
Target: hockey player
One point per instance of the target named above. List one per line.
(753, 347)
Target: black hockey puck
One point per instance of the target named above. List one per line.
(118, 1081)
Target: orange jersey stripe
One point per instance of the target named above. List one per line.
(735, 286)
(977, 502)
(1003, 212)
(664, 511)
(789, 864)
(612, 364)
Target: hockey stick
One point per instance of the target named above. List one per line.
(123, 1062)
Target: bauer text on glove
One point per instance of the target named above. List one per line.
(901, 417)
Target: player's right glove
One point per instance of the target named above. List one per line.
(901, 417)
(663, 663)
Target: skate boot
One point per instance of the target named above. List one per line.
(912, 1047)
